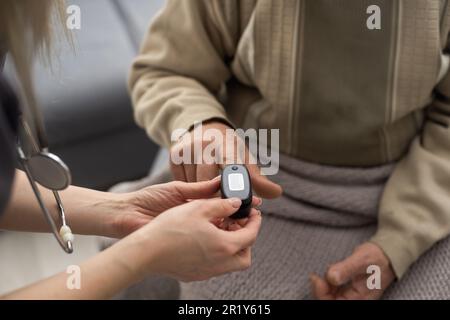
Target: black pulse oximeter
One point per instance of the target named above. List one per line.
(235, 183)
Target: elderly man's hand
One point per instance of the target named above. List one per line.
(347, 279)
(228, 152)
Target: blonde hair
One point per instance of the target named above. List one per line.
(25, 31)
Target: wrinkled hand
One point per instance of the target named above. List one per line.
(227, 151)
(347, 279)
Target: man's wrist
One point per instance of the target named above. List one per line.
(220, 122)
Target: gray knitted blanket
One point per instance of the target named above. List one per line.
(324, 213)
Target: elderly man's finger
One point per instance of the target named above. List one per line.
(206, 172)
(190, 170)
(347, 269)
(177, 172)
(320, 288)
(262, 185)
(349, 293)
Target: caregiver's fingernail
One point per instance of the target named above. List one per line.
(235, 202)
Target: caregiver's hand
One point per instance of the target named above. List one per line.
(101, 213)
(146, 204)
(191, 172)
(185, 244)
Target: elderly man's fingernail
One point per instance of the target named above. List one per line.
(235, 202)
(335, 277)
(216, 178)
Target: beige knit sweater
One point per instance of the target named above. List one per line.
(340, 94)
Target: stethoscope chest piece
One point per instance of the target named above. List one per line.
(50, 171)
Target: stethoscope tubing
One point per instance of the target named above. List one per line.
(67, 247)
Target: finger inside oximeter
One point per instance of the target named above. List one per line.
(236, 183)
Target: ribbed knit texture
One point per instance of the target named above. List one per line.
(324, 214)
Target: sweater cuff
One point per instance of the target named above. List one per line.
(396, 249)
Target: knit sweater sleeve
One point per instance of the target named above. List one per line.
(181, 68)
(415, 206)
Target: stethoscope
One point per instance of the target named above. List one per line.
(44, 168)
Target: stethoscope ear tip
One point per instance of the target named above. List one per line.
(67, 236)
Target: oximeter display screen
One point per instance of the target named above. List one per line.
(236, 182)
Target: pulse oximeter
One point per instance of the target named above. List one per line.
(235, 183)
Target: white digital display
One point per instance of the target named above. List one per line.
(236, 182)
